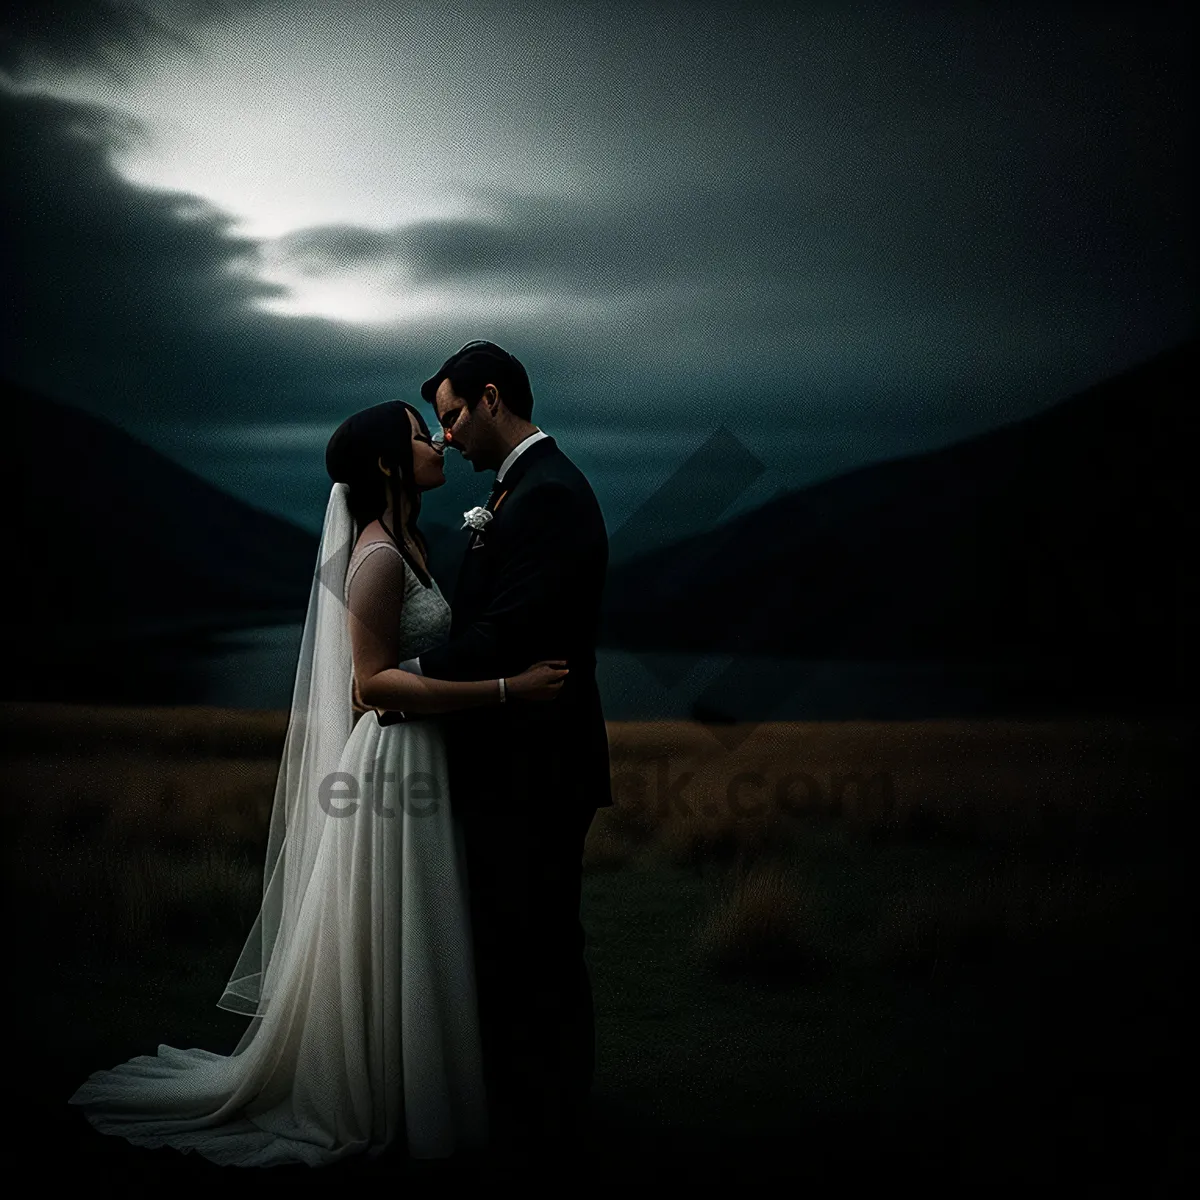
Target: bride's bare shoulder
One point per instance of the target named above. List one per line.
(372, 535)
(378, 567)
(374, 532)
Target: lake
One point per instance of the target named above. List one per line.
(255, 668)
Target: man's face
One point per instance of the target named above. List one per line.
(470, 433)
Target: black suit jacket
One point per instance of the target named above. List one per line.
(530, 587)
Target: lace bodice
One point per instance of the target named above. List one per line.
(424, 616)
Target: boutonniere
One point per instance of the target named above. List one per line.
(476, 518)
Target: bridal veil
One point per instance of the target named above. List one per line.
(319, 725)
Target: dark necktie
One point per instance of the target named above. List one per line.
(497, 489)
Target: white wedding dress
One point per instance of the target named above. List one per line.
(358, 975)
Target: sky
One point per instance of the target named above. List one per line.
(842, 232)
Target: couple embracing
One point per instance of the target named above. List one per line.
(415, 978)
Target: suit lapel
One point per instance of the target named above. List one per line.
(469, 574)
(517, 472)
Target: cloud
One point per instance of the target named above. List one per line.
(596, 246)
(135, 301)
(835, 227)
(430, 251)
(107, 36)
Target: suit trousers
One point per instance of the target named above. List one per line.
(537, 1024)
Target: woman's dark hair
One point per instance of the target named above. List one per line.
(352, 457)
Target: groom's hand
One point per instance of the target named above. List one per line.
(542, 681)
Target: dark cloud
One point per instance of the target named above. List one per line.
(136, 303)
(968, 179)
(538, 243)
(850, 238)
(107, 36)
(335, 248)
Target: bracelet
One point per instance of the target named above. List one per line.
(503, 692)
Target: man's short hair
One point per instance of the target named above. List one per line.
(477, 364)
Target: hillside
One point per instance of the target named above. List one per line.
(112, 543)
(1059, 538)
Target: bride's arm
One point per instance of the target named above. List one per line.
(375, 599)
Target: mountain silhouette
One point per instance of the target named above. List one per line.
(115, 545)
(1057, 539)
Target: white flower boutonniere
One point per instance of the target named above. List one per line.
(477, 519)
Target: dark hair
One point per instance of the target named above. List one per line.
(477, 364)
(351, 457)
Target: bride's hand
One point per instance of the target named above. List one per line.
(542, 681)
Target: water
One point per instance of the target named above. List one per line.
(255, 668)
(249, 668)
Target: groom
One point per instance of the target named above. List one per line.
(525, 779)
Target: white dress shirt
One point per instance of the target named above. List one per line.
(518, 450)
(414, 664)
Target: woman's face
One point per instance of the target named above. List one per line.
(427, 459)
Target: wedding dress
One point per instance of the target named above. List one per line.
(358, 972)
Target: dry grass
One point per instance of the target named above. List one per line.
(938, 925)
(1001, 781)
(124, 796)
(135, 820)
(115, 899)
(75, 774)
(768, 921)
(919, 929)
(765, 925)
(198, 772)
(722, 837)
(608, 846)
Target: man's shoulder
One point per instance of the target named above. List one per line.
(557, 471)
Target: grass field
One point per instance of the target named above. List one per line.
(938, 953)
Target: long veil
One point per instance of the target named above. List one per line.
(319, 725)
(361, 993)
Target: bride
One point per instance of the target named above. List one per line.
(357, 974)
